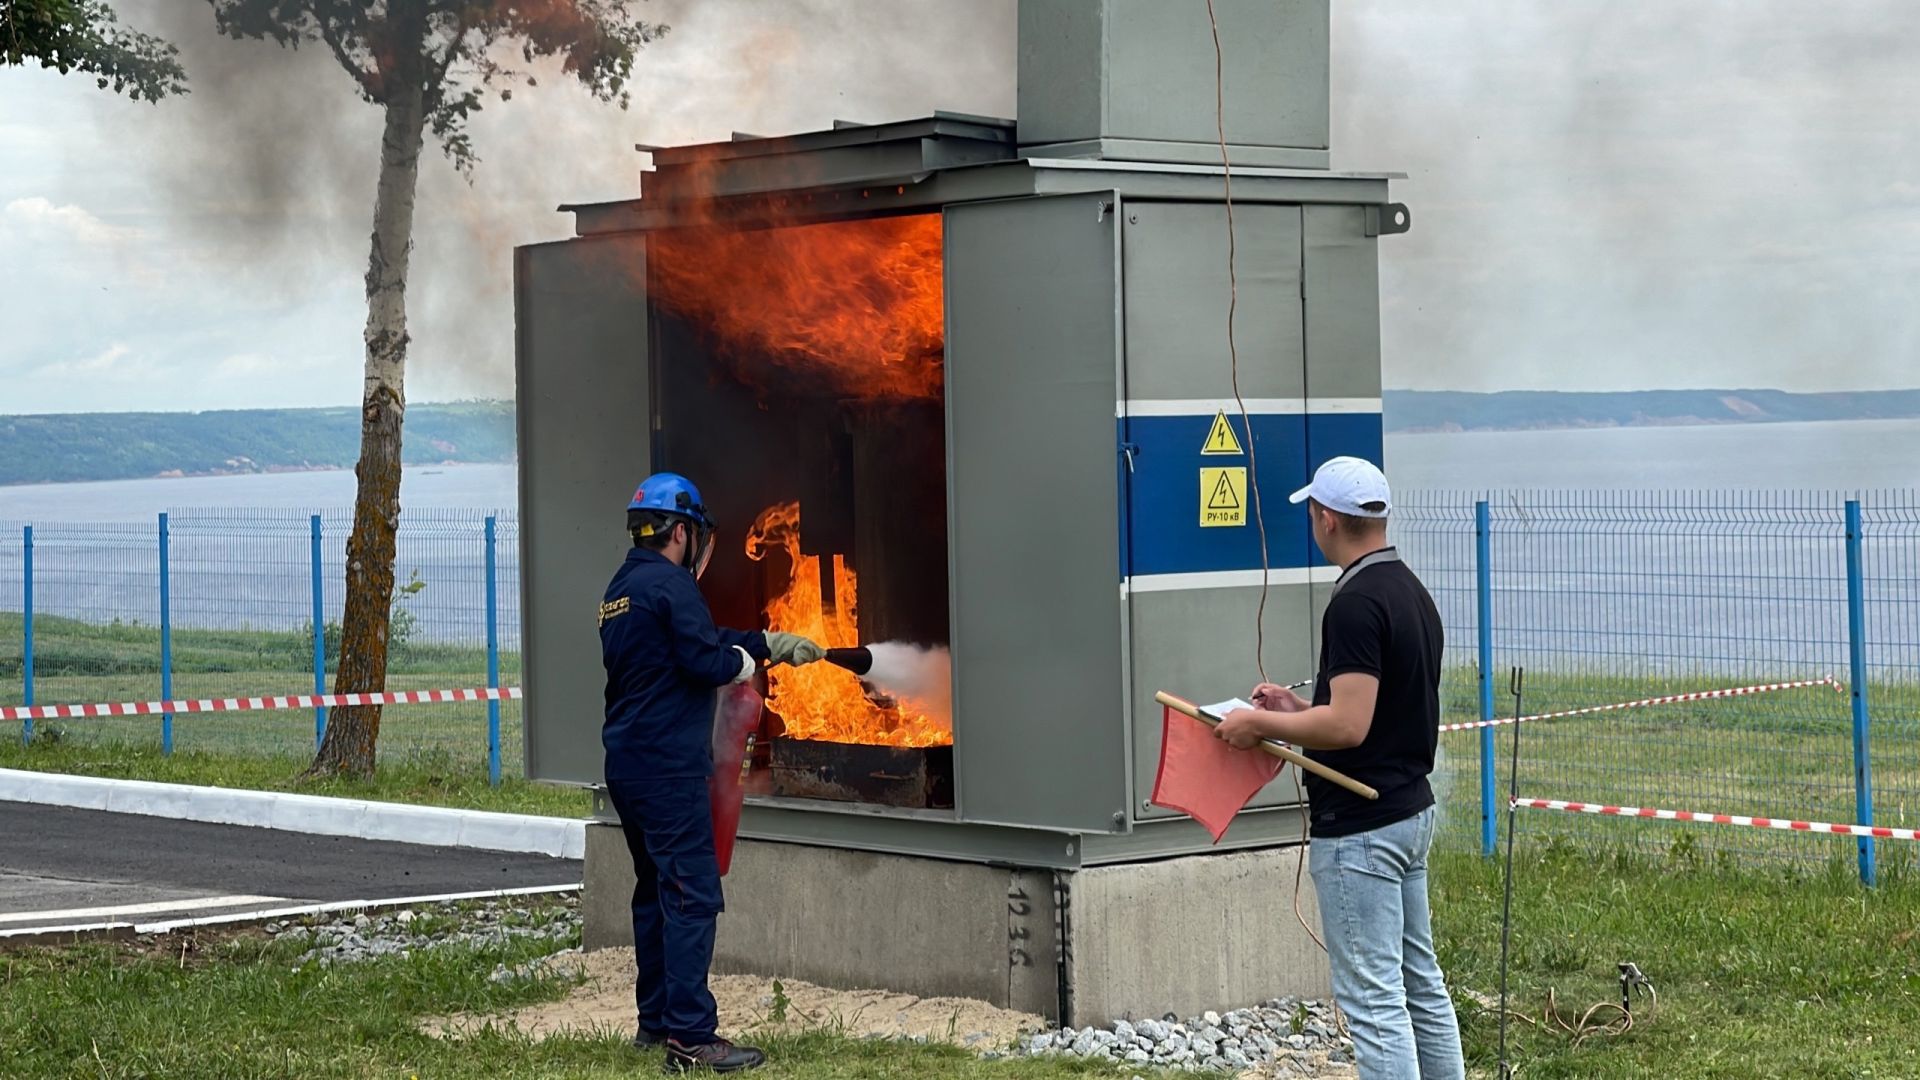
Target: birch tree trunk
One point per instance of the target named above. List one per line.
(352, 731)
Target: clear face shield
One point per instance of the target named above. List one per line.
(699, 549)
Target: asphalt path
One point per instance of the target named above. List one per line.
(65, 867)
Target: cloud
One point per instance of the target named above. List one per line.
(1639, 196)
(253, 365)
(40, 215)
(115, 364)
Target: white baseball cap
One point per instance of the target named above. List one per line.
(1348, 484)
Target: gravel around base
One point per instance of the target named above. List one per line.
(348, 939)
(1284, 1038)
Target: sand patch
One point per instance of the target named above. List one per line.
(604, 1003)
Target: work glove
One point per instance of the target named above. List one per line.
(748, 666)
(785, 648)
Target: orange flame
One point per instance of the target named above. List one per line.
(858, 302)
(821, 701)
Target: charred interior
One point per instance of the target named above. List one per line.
(797, 373)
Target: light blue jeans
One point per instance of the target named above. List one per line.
(1373, 907)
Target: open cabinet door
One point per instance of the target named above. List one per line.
(1033, 512)
(580, 367)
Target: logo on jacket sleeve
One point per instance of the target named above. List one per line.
(613, 609)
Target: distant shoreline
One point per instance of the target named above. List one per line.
(102, 447)
(414, 467)
(1442, 411)
(1455, 429)
(87, 447)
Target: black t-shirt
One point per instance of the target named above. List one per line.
(1380, 622)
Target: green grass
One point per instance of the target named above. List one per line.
(1785, 754)
(417, 778)
(430, 754)
(1760, 975)
(237, 1010)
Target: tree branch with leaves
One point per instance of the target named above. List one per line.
(86, 36)
(430, 65)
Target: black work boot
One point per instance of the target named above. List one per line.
(719, 1055)
(648, 1040)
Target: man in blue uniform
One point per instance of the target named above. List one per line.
(665, 659)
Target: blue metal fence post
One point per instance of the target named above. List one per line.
(493, 661)
(1483, 588)
(166, 644)
(319, 640)
(1857, 655)
(26, 643)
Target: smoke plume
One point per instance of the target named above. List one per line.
(265, 171)
(1648, 194)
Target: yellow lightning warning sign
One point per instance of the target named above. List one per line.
(1223, 497)
(1220, 438)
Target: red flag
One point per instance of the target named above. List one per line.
(735, 716)
(1205, 778)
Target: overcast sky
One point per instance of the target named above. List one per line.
(1646, 194)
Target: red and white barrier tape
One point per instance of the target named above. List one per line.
(246, 704)
(1827, 827)
(1670, 699)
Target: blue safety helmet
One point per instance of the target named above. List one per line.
(663, 498)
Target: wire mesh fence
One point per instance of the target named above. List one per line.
(1890, 572)
(1601, 596)
(1438, 540)
(1605, 597)
(243, 592)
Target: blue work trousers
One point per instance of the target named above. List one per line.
(676, 902)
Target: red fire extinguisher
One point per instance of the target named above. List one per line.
(736, 718)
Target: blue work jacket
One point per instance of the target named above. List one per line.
(664, 659)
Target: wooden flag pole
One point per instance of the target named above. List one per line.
(1284, 753)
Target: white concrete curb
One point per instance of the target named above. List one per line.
(259, 915)
(562, 838)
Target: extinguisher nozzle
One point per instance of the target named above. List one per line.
(857, 660)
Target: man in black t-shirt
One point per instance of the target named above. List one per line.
(1375, 715)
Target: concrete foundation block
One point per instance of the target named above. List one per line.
(1188, 935)
(1088, 946)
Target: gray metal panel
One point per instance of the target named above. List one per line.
(1151, 840)
(1343, 320)
(1161, 72)
(1032, 360)
(1002, 180)
(1062, 56)
(1142, 71)
(1198, 643)
(1176, 299)
(580, 362)
(941, 125)
(1343, 304)
(1182, 153)
(911, 836)
(1163, 180)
